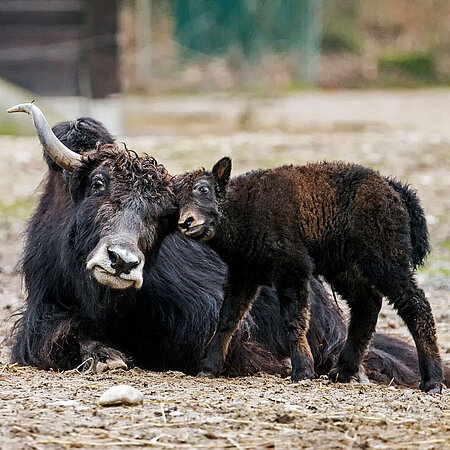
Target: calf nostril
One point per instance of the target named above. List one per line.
(187, 223)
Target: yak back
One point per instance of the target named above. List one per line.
(80, 135)
(317, 197)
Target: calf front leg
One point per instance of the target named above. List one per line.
(294, 306)
(238, 297)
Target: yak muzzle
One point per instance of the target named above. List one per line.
(117, 264)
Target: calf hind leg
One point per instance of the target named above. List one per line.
(365, 304)
(415, 310)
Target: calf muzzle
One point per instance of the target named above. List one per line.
(189, 223)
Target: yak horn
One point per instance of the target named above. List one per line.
(63, 156)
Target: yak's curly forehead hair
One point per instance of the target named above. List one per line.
(183, 183)
(143, 171)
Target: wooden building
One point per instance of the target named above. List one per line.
(60, 47)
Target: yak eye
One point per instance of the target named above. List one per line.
(203, 189)
(97, 185)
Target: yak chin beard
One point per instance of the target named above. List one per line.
(116, 282)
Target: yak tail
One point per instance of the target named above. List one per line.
(419, 231)
(390, 360)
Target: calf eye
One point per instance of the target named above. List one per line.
(203, 189)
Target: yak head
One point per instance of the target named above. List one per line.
(198, 196)
(122, 206)
(124, 202)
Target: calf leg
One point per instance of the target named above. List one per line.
(365, 305)
(415, 310)
(239, 295)
(294, 308)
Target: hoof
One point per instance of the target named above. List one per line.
(431, 387)
(297, 376)
(98, 358)
(340, 375)
(110, 364)
(362, 378)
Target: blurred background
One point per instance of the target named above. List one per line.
(102, 47)
(94, 50)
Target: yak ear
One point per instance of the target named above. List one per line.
(221, 171)
(77, 185)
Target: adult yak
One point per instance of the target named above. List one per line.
(101, 289)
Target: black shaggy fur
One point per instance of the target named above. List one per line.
(362, 232)
(417, 223)
(80, 135)
(69, 317)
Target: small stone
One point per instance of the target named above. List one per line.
(65, 403)
(82, 408)
(284, 418)
(408, 393)
(122, 394)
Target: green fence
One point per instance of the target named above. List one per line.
(248, 29)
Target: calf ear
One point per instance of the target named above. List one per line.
(221, 171)
(170, 219)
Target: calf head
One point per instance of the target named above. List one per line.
(122, 207)
(198, 195)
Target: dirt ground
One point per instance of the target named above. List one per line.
(262, 411)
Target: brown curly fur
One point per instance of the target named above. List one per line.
(346, 222)
(142, 170)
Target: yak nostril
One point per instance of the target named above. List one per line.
(122, 264)
(187, 223)
(113, 256)
(127, 267)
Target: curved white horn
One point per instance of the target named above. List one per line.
(63, 156)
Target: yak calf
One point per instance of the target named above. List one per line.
(364, 233)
